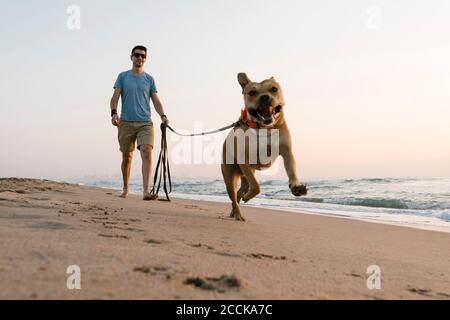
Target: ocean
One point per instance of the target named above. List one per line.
(416, 202)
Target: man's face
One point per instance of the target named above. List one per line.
(138, 57)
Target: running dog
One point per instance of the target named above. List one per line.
(263, 113)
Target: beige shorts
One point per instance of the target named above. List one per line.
(130, 132)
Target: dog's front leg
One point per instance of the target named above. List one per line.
(297, 188)
(253, 186)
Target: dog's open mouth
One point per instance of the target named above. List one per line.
(264, 115)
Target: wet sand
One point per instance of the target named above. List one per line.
(185, 249)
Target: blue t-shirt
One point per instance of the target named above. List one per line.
(135, 94)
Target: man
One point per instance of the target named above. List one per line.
(136, 87)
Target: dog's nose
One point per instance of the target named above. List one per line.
(265, 98)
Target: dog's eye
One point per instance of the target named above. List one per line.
(274, 89)
(251, 93)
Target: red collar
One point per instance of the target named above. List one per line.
(249, 123)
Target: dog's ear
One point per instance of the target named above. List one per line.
(243, 80)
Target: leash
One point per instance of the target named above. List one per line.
(234, 124)
(162, 170)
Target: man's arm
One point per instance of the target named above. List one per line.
(158, 107)
(113, 104)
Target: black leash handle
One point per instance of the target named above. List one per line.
(162, 166)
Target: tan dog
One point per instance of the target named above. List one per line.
(263, 110)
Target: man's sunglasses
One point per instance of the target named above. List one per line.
(137, 55)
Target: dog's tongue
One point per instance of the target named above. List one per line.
(266, 112)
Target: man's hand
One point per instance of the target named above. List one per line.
(115, 120)
(164, 120)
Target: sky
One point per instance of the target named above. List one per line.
(366, 83)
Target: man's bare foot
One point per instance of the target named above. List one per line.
(150, 196)
(124, 194)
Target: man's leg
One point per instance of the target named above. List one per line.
(146, 155)
(126, 169)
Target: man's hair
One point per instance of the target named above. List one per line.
(139, 48)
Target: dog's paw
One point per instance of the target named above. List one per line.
(298, 190)
(237, 215)
(250, 194)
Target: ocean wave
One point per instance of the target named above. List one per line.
(322, 186)
(315, 200)
(374, 203)
(444, 216)
(377, 180)
(218, 193)
(272, 183)
(363, 202)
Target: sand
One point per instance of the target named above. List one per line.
(184, 249)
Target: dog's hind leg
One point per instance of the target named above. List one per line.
(243, 189)
(231, 184)
(253, 185)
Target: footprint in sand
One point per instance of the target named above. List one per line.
(39, 199)
(220, 284)
(153, 270)
(50, 225)
(120, 236)
(128, 219)
(66, 211)
(121, 228)
(354, 274)
(220, 253)
(153, 241)
(227, 254)
(109, 223)
(193, 206)
(200, 245)
(99, 218)
(428, 293)
(263, 255)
